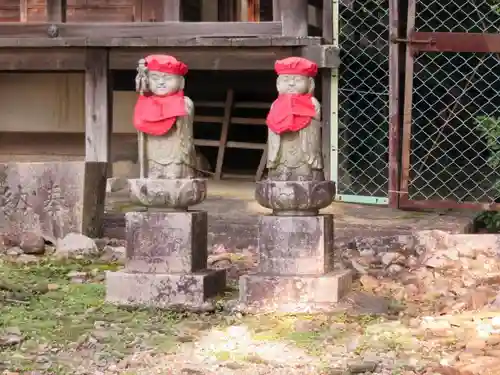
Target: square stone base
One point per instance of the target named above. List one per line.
(294, 294)
(160, 290)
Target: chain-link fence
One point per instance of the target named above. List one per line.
(450, 158)
(363, 99)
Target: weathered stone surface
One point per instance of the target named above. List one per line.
(163, 290)
(32, 243)
(168, 193)
(290, 294)
(52, 198)
(296, 245)
(295, 197)
(163, 242)
(76, 244)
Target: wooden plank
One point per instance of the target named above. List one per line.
(276, 10)
(39, 59)
(209, 11)
(260, 105)
(97, 106)
(294, 17)
(261, 41)
(326, 56)
(171, 10)
(262, 165)
(206, 142)
(56, 11)
(23, 10)
(105, 31)
(246, 145)
(224, 133)
(206, 58)
(137, 11)
(327, 21)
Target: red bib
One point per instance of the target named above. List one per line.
(155, 115)
(291, 113)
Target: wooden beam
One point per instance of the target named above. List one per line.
(206, 58)
(276, 10)
(261, 41)
(98, 102)
(224, 133)
(209, 11)
(56, 11)
(294, 17)
(42, 59)
(326, 56)
(171, 10)
(328, 21)
(98, 31)
(23, 10)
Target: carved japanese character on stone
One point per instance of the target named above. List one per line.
(294, 122)
(163, 117)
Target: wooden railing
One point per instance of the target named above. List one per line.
(148, 18)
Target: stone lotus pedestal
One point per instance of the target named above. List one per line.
(166, 249)
(295, 245)
(52, 198)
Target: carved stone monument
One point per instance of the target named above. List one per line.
(166, 244)
(52, 199)
(296, 271)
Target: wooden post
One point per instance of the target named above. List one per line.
(276, 10)
(209, 11)
(294, 17)
(56, 11)
(228, 107)
(98, 106)
(171, 10)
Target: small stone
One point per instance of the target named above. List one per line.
(389, 258)
(77, 277)
(52, 287)
(495, 322)
(14, 251)
(111, 254)
(360, 367)
(76, 244)
(32, 243)
(367, 253)
(27, 258)
(475, 345)
(369, 283)
(358, 267)
(394, 268)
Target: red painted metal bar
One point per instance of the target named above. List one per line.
(394, 122)
(454, 42)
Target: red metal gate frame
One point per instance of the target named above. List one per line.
(421, 42)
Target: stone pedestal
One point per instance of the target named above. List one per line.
(166, 262)
(52, 198)
(295, 245)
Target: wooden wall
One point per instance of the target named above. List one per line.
(77, 11)
(42, 119)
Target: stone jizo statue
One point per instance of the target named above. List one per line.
(294, 122)
(163, 117)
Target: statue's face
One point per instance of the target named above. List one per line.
(293, 84)
(164, 83)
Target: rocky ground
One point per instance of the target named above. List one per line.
(423, 303)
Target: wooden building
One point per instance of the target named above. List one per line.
(62, 64)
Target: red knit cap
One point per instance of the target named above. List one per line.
(166, 64)
(296, 65)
